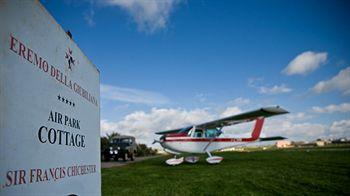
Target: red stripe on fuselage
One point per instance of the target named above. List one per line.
(208, 140)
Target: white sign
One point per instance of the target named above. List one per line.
(49, 107)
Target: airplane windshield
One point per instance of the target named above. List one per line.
(208, 133)
(211, 133)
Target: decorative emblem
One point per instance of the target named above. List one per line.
(70, 59)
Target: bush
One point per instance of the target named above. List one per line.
(143, 150)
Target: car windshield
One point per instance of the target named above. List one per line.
(122, 141)
(125, 140)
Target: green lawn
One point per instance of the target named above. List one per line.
(287, 172)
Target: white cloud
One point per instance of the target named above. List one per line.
(276, 89)
(240, 101)
(131, 95)
(143, 125)
(149, 15)
(295, 131)
(344, 107)
(202, 97)
(305, 63)
(89, 14)
(300, 116)
(252, 82)
(230, 111)
(340, 128)
(340, 82)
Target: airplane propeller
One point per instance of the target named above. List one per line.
(161, 140)
(155, 141)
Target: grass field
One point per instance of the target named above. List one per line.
(288, 172)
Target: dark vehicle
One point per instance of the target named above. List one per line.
(121, 147)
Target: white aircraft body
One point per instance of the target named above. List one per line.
(204, 138)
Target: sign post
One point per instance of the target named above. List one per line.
(49, 107)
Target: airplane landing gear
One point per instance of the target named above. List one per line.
(213, 159)
(192, 159)
(174, 161)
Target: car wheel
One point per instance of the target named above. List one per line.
(132, 157)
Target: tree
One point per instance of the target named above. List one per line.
(112, 135)
(144, 150)
(104, 143)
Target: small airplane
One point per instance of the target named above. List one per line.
(204, 138)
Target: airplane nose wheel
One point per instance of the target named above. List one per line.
(174, 161)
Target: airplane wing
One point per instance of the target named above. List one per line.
(244, 117)
(181, 130)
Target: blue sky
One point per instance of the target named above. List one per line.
(169, 63)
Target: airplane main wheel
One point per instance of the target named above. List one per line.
(214, 159)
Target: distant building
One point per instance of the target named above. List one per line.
(284, 144)
(161, 152)
(239, 149)
(341, 141)
(300, 143)
(228, 149)
(320, 143)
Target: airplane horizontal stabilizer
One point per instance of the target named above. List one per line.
(262, 139)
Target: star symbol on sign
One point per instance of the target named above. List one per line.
(59, 97)
(63, 99)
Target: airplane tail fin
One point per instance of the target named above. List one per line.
(257, 128)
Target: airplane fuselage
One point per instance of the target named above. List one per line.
(186, 144)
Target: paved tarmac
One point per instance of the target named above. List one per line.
(120, 163)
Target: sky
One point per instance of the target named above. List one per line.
(170, 63)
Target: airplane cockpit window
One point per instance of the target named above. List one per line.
(211, 133)
(198, 133)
